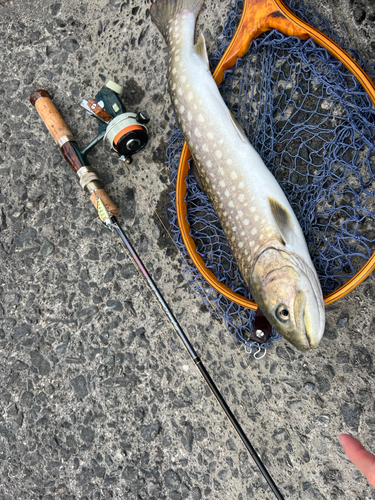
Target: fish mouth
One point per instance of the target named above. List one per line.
(308, 336)
(300, 310)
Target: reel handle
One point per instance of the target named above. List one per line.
(69, 149)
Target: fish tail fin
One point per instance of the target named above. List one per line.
(162, 11)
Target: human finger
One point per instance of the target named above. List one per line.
(359, 456)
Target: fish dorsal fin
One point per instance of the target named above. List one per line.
(196, 174)
(238, 128)
(283, 220)
(200, 49)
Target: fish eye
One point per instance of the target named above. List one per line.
(282, 313)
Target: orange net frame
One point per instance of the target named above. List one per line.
(258, 17)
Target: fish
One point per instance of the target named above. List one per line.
(261, 228)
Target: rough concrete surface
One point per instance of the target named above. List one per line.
(98, 400)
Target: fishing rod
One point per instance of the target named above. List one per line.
(120, 131)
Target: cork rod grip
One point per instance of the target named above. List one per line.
(50, 115)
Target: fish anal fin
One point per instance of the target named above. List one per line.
(201, 50)
(238, 128)
(283, 220)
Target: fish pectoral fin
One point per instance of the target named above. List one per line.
(283, 220)
(201, 50)
(238, 128)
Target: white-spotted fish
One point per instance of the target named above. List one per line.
(261, 228)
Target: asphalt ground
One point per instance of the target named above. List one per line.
(98, 399)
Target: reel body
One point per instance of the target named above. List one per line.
(124, 132)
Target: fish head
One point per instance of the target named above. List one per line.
(288, 292)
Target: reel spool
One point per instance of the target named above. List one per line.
(124, 132)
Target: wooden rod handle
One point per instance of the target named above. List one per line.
(50, 115)
(64, 138)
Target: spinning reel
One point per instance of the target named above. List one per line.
(125, 133)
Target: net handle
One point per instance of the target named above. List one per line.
(259, 16)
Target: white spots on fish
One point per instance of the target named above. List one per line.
(221, 170)
(182, 109)
(240, 244)
(252, 243)
(243, 233)
(190, 96)
(246, 222)
(209, 164)
(205, 147)
(256, 218)
(197, 132)
(241, 185)
(201, 118)
(195, 106)
(173, 85)
(233, 188)
(190, 117)
(240, 213)
(227, 193)
(231, 204)
(183, 78)
(179, 91)
(210, 135)
(174, 70)
(218, 153)
(254, 231)
(241, 197)
(222, 183)
(229, 162)
(253, 209)
(177, 58)
(233, 175)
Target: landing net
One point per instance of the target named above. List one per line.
(313, 125)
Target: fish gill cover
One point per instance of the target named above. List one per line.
(313, 124)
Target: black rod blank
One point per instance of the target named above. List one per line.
(197, 361)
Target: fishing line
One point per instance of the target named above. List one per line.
(233, 340)
(107, 213)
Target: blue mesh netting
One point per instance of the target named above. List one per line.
(314, 126)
